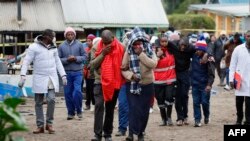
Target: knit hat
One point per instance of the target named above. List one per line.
(69, 29)
(91, 37)
(201, 45)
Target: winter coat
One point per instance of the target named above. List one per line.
(240, 63)
(46, 63)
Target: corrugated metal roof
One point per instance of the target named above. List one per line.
(114, 13)
(233, 1)
(37, 15)
(238, 10)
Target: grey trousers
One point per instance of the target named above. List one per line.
(50, 108)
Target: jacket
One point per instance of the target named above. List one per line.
(240, 63)
(74, 48)
(218, 49)
(202, 75)
(46, 63)
(165, 70)
(146, 66)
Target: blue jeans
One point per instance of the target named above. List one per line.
(200, 97)
(123, 109)
(73, 93)
(227, 76)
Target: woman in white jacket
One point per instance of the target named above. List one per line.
(240, 64)
(46, 63)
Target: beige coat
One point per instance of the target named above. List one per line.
(147, 66)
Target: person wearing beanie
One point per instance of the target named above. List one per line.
(202, 78)
(89, 74)
(72, 55)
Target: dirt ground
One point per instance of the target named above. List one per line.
(222, 112)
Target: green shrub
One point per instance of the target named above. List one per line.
(190, 21)
(10, 120)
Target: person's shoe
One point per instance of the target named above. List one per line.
(70, 117)
(186, 121)
(120, 133)
(151, 110)
(92, 108)
(227, 88)
(206, 120)
(164, 123)
(179, 123)
(108, 139)
(87, 107)
(96, 138)
(197, 124)
(238, 123)
(246, 123)
(130, 138)
(39, 130)
(50, 129)
(170, 122)
(79, 116)
(141, 137)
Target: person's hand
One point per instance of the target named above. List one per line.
(208, 88)
(71, 58)
(204, 59)
(135, 78)
(64, 80)
(106, 50)
(159, 53)
(231, 85)
(22, 81)
(138, 50)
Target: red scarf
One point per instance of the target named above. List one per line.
(111, 77)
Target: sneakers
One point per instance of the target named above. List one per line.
(70, 117)
(179, 123)
(186, 121)
(120, 133)
(108, 139)
(238, 123)
(96, 138)
(170, 122)
(197, 124)
(227, 88)
(151, 110)
(92, 108)
(130, 138)
(164, 123)
(79, 116)
(87, 107)
(206, 120)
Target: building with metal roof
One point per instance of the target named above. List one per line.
(36, 15)
(229, 17)
(90, 16)
(233, 1)
(114, 13)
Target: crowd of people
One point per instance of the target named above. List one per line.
(134, 72)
